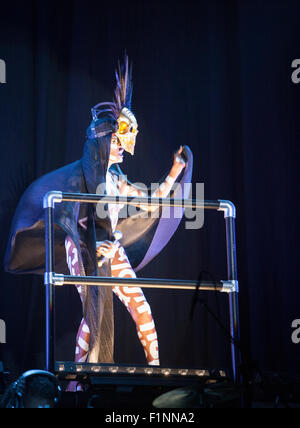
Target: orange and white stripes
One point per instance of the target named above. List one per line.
(83, 335)
(132, 297)
(134, 300)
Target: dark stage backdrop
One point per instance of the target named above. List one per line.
(215, 75)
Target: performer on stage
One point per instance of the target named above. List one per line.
(88, 242)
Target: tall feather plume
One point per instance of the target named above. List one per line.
(124, 88)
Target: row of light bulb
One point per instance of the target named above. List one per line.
(136, 370)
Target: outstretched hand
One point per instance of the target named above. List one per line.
(179, 161)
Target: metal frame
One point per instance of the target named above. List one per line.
(53, 279)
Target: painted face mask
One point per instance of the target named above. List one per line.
(127, 130)
(126, 127)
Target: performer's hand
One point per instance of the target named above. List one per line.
(179, 161)
(107, 249)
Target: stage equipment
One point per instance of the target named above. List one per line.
(205, 395)
(30, 391)
(135, 374)
(229, 286)
(3, 378)
(112, 385)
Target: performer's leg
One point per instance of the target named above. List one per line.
(83, 335)
(82, 342)
(134, 300)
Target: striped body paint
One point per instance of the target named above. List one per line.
(132, 297)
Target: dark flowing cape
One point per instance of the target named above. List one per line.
(143, 237)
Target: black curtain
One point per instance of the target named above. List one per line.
(214, 75)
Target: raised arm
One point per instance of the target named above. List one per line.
(165, 187)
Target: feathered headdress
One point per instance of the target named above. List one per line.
(117, 116)
(124, 88)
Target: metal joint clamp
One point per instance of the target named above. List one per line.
(51, 278)
(230, 286)
(51, 198)
(228, 207)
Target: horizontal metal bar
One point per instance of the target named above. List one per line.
(53, 197)
(171, 284)
(134, 200)
(141, 282)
